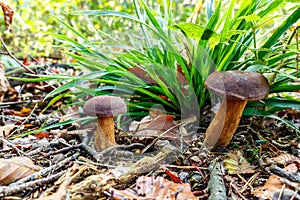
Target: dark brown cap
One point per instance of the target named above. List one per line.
(105, 106)
(238, 85)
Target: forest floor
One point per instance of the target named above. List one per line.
(261, 161)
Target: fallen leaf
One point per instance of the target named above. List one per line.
(135, 125)
(154, 125)
(4, 84)
(155, 188)
(26, 111)
(92, 186)
(6, 129)
(42, 134)
(162, 122)
(142, 74)
(266, 191)
(286, 159)
(235, 163)
(275, 183)
(16, 168)
(173, 176)
(8, 16)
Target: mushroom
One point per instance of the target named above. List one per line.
(236, 88)
(105, 108)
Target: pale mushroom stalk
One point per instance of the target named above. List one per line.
(105, 133)
(236, 88)
(104, 108)
(225, 123)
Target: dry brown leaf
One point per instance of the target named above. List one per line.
(8, 15)
(135, 125)
(145, 121)
(92, 186)
(155, 188)
(286, 159)
(6, 129)
(142, 74)
(162, 122)
(235, 163)
(61, 191)
(275, 183)
(4, 84)
(16, 168)
(156, 127)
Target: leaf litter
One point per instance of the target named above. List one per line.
(258, 163)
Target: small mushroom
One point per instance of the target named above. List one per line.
(105, 108)
(236, 88)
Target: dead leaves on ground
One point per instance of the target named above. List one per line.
(4, 84)
(286, 159)
(16, 168)
(159, 125)
(276, 184)
(81, 187)
(235, 163)
(155, 188)
(8, 15)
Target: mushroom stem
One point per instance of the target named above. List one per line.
(224, 124)
(105, 133)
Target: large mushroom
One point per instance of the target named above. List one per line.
(105, 108)
(236, 88)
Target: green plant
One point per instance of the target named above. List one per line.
(177, 63)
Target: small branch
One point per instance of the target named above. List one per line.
(5, 104)
(13, 57)
(47, 170)
(8, 190)
(216, 185)
(3, 53)
(294, 177)
(22, 70)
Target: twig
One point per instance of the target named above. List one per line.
(19, 102)
(3, 53)
(294, 177)
(185, 167)
(155, 140)
(237, 190)
(46, 170)
(62, 189)
(250, 181)
(65, 149)
(13, 57)
(10, 144)
(26, 119)
(8, 190)
(85, 161)
(125, 147)
(216, 185)
(22, 70)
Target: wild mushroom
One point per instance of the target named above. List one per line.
(105, 107)
(236, 88)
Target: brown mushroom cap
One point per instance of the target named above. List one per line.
(238, 85)
(105, 106)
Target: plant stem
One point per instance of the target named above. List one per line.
(13, 57)
(282, 64)
(297, 50)
(254, 41)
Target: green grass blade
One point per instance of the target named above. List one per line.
(292, 19)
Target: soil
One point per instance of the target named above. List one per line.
(258, 139)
